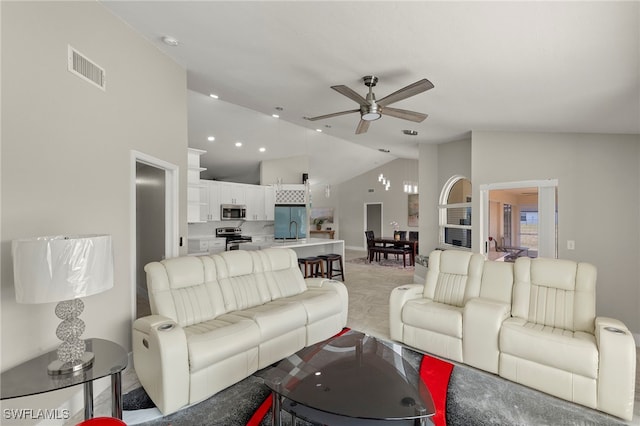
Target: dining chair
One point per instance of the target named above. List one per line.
(372, 247)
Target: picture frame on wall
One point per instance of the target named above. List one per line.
(413, 210)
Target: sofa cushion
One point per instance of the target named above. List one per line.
(184, 289)
(453, 276)
(281, 272)
(433, 316)
(241, 287)
(318, 303)
(497, 281)
(575, 352)
(556, 293)
(215, 340)
(276, 318)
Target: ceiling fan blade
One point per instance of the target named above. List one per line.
(406, 92)
(335, 114)
(418, 117)
(351, 94)
(363, 126)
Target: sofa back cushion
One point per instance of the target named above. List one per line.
(281, 272)
(241, 279)
(184, 289)
(555, 293)
(497, 281)
(453, 276)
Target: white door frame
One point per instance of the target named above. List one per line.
(172, 229)
(547, 244)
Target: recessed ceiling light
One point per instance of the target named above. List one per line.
(238, 144)
(262, 149)
(170, 41)
(275, 115)
(214, 96)
(319, 130)
(211, 139)
(328, 126)
(383, 150)
(279, 109)
(410, 132)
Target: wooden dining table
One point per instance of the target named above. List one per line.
(392, 242)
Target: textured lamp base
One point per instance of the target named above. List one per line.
(57, 367)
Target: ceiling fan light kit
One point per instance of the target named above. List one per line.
(372, 109)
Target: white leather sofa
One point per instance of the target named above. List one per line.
(532, 322)
(217, 319)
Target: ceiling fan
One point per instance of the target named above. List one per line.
(372, 109)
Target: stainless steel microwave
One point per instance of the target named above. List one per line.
(233, 212)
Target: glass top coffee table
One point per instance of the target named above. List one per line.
(353, 379)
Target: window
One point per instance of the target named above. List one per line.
(455, 213)
(506, 220)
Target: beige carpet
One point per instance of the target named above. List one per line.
(369, 287)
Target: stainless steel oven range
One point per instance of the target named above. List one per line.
(233, 236)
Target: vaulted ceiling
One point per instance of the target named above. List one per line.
(510, 66)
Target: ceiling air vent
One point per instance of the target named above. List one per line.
(84, 68)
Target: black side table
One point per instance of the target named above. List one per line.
(31, 377)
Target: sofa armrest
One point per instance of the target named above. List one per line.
(315, 282)
(161, 361)
(399, 296)
(324, 284)
(617, 367)
(481, 322)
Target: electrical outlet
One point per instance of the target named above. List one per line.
(571, 245)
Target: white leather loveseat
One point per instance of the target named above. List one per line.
(217, 319)
(532, 322)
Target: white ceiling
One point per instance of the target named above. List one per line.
(506, 66)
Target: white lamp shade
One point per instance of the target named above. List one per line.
(57, 268)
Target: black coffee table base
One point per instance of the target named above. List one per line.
(299, 411)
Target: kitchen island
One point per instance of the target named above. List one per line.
(303, 247)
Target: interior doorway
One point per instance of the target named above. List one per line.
(372, 220)
(155, 221)
(150, 228)
(519, 219)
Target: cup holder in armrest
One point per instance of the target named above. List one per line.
(165, 327)
(615, 330)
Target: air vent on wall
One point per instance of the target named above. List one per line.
(86, 69)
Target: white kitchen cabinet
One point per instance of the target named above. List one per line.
(259, 200)
(269, 202)
(210, 196)
(232, 193)
(203, 245)
(255, 202)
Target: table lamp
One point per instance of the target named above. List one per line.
(62, 269)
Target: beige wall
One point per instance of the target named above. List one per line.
(288, 169)
(66, 153)
(429, 195)
(598, 201)
(348, 200)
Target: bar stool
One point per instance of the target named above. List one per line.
(330, 259)
(313, 266)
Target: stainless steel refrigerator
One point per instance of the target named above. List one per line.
(290, 221)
